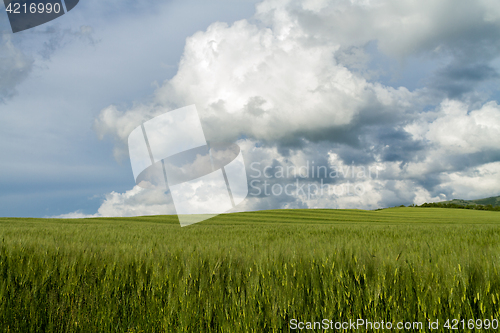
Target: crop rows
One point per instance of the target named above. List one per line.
(251, 272)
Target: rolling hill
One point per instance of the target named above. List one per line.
(494, 201)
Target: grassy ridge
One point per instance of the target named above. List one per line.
(248, 272)
(493, 201)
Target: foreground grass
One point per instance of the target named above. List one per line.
(248, 272)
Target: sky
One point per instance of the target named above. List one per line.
(334, 104)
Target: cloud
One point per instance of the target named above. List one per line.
(284, 82)
(294, 86)
(14, 66)
(20, 54)
(458, 130)
(56, 38)
(275, 88)
(46, 123)
(477, 182)
(460, 78)
(138, 201)
(464, 38)
(402, 28)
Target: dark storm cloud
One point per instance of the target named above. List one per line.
(479, 72)
(466, 161)
(457, 79)
(395, 144)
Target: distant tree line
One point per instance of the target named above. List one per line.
(452, 205)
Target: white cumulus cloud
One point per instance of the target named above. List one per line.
(283, 85)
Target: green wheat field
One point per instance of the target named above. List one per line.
(249, 272)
